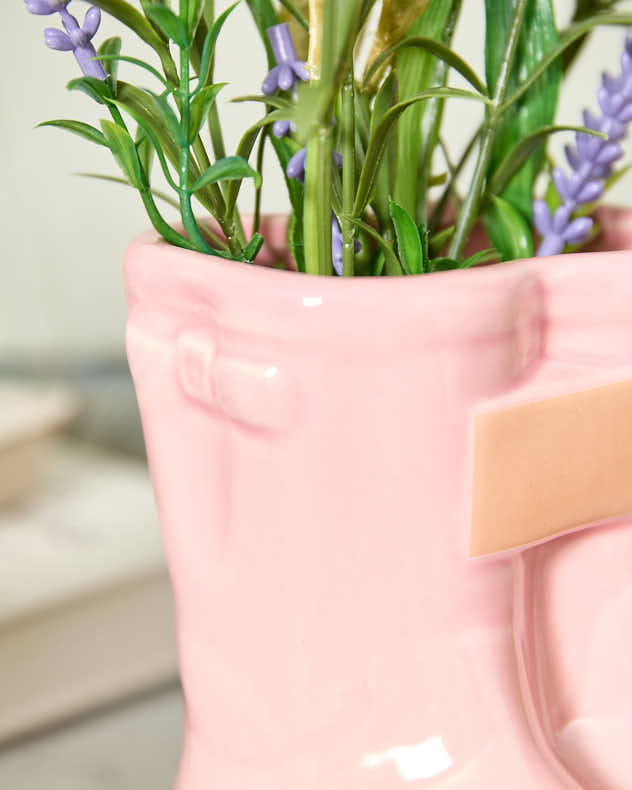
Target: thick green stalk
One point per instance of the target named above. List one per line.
(471, 207)
(347, 129)
(317, 218)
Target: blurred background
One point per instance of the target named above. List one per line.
(88, 677)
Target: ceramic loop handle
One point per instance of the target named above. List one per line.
(553, 457)
(254, 394)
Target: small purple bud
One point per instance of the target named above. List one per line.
(591, 121)
(578, 230)
(77, 40)
(57, 39)
(92, 22)
(625, 114)
(289, 68)
(551, 245)
(337, 159)
(542, 217)
(271, 82)
(600, 171)
(283, 128)
(282, 43)
(609, 154)
(572, 157)
(560, 219)
(614, 129)
(296, 165)
(612, 84)
(586, 145)
(591, 192)
(336, 245)
(45, 7)
(561, 184)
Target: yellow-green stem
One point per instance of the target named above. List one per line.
(317, 219)
(347, 128)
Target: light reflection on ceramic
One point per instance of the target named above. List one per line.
(333, 634)
(421, 761)
(312, 301)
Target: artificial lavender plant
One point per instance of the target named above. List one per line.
(373, 187)
(591, 160)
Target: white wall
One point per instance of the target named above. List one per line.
(63, 237)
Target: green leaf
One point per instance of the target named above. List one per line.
(566, 41)
(273, 101)
(253, 247)
(96, 89)
(170, 24)
(438, 240)
(384, 100)
(408, 241)
(124, 151)
(210, 42)
(77, 127)
(114, 58)
(244, 149)
(146, 151)
(523, 150)
(417, 71)
(195, 8)
(110, 50)
(443, 264)
(508, 230)
(153, 134)
(200, 107)
(393, 266)
(171, 120)
(380, 137)
(483, 256)
(265, 16)
(537, 107)
(284, 150)
(231, 168)
(123, 181)
(436, 48)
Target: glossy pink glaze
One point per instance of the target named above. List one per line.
(309, 442)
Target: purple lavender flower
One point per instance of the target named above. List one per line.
(78, 40)
(45, 7)
(591, 161)
(283, 128)
(284, 75)
(337, 244)
(296, 166)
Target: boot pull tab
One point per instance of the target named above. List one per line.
(257, 395)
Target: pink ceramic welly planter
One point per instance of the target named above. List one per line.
(314, 456)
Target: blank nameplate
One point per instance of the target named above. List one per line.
(543, 468)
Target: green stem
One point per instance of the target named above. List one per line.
(317, 219)
(161, 225)
(471, 207)
(260, 155)
(450, 189)
(190, 225)
(347, 129)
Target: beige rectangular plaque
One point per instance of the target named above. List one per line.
(549, 466)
